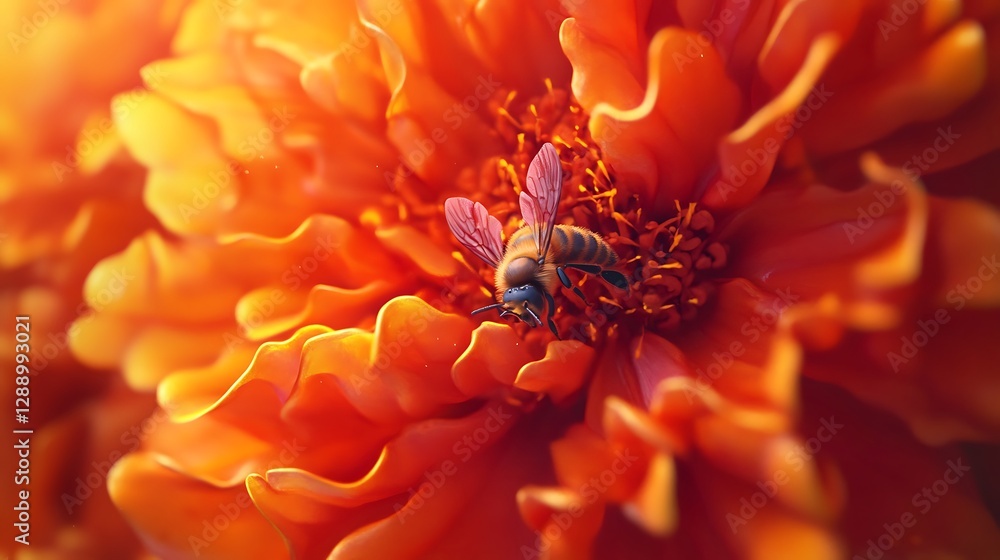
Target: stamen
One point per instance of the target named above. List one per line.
(510, 118)
(604, 171)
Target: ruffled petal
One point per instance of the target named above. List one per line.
(429, 509)
(560, 373)
(745, 350)
(364, 417)
(493, 360)
(795, 31)
(565, 525)
(944, 76)
(928, 496)
(150, 300)
(189, 517)
(660, 147)
(257, 127)
(748, 155)
(856, 246)
(934, 368)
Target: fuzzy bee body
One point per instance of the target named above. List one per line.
(570, 245)
(531, 267)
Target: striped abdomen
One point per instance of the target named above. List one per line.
(570, 245)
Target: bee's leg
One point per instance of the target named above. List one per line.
(616, 279)
(588, 268)
(561, 272)
(613, 277)
(552, 309)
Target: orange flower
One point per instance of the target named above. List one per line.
(304, 318)
(69, 196)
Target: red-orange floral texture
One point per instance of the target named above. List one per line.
(800, 193)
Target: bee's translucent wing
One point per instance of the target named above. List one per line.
(475, 228)
(540, 199)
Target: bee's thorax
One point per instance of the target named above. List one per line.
(520, 270)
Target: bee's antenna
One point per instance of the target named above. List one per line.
(487, 308)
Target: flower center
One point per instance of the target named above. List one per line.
(669, 260)
(674, 261)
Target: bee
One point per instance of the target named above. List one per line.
(534, 263)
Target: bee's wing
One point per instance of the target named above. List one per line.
(475, 228)
(540, 200)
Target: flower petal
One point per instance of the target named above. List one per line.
(560, 373)
(930, 489)
(561, 513)
(744, 350)
(148, 315)
(602, 72)
(841, 248)
(493, 359)
(944, 76)
(437, 116)
(190, 517)
(795, 31)
(659, 147)
(747, 156)
(432, 511)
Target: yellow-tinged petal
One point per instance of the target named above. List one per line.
(566, 522)
(650, 509)
(412, 244)
(152, 296)
(748, 155)
(660, 146)
(795, 30)
(932, 85)
(493, 359)
(560, 373)
(183, 521)
(602, 74)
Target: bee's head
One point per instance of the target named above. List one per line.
(524, 302)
